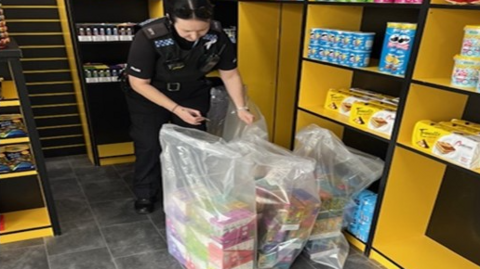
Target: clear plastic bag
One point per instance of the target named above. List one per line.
(209, 201)
(237, 129)
(219, 101)
(330, 250)
(341, 173)
(287, 200)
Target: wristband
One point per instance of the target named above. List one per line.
(242, 108)
(173, 109)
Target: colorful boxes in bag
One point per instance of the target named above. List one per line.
(397, 48)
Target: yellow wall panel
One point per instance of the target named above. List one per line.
(258, 39)
(291, 25)
(156, 8)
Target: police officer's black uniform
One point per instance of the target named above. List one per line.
(177, 68)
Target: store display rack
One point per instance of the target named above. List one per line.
(26, 203)
(419, 193)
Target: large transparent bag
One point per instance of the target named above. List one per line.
(234, 128)
(341, 173)
(209, 201)
(287, 200)
(219, 101)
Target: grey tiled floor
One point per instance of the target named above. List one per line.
(100, 229)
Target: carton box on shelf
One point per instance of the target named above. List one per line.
(373, 115)
(17, 157)
(363, 215)
(12, 126)
(467, 123)
(397, 48)
(449, 143)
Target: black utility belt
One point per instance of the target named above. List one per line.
(178, 86)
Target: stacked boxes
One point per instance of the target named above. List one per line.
(104, 32)
(363, 215)
(397, 48)
(286, 219)
(101, 73)
(466, 71)
(4, 39)
(12, 126)
(16, 158)
(457, 141)
(205, 232)
(340, 47)
(366, 110)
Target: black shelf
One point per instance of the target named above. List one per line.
(363, 70)
(447, 6)
(11, 51)
(449, 164)
(373, 5)
(446, 88)
(345, 125)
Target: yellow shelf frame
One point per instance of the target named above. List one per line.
(26, 224)
(8, 141)
(355, 242)
(18, 174)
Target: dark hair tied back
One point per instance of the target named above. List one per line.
(189, 9)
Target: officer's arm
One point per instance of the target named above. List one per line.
(234, 85)
(144, 88)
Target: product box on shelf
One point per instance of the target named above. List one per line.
(363, 215)
(101, 73)
(373, 115)
(4, 164)
(17, 157)
(397, 48)
(449, 143)
(466, 71)
(342, 100)
(466, 123)
(461, 128)
(12, 126)
(471, 41)
(105, 32)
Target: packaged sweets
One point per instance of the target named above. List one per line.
(12, 126)
(362, 41)
(18, 157)
(341, 101)
(374, 116)
(468, 124)
(466, 71)
(460, 127)
(363, 215)
(397, 48)
(449, 143)
(358, 58)
(4, 167)
(471, 41)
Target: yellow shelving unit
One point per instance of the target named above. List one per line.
(25, 224)
(9, 141)
(18, 174)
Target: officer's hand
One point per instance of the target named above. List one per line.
(190, 116)
(246, 116)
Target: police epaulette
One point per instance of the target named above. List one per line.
(216, 26)
(155, 28)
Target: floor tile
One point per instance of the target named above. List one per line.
(78, 161)
(73, 210)
(21, 244)
(125, 168)
(359, 262)
(116, 212)
(301, 263)
(133, 238)
(91, 259)
(76, 236)
(24, 258)
(158, 217)
(154, 260)
(96, 174)
(59, 168)
(106, 190)
(67, 188)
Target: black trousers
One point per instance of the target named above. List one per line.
(147, 119)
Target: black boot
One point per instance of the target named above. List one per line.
(144, 206)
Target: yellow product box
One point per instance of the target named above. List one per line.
(373, 116)
(376, 96)
(447, 142)
(468, 124)
(459, 127)
(341, 101)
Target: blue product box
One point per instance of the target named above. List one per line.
(362, 41)
(404, 48)
(315, 36)
(331, 55)
(332, 35)
(388, 56)
(324, 37)
(344, 54)
(323, 53)
(313, 52)
(359, 58)
(363, 216)
(346, 39)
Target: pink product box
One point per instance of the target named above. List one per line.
(177, 228)
(248, 265)
(383, 1)
(232, 257)
(196, 263)
(184, 198)
(176, 249)
(408, 1)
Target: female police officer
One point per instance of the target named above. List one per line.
(166, 68)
